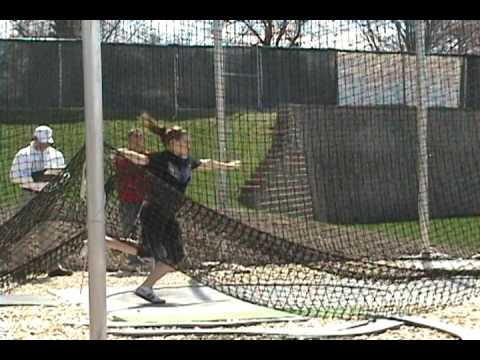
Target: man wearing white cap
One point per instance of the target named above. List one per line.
(30, 167)
(33, 160)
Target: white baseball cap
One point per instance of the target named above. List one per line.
(43, 134)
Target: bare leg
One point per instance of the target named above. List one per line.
(159, 271)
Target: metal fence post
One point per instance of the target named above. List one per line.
(176, 82)
(422, 123)
(60, 75)
(259, 78)
(92, 73)
(222, 188)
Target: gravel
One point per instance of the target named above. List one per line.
(42, 322)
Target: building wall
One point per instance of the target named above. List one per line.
(360, 162)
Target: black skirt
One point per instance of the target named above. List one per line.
(161, 236)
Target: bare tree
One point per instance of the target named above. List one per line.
(46, 28)
(112, 30)
(30, 28)
(463, 36)
(269, 32)
(66, 29)
(440, 35)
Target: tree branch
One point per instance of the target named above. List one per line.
(20, 28)
(253, 31)
(299, 24)
(113, 29)
(370, 36)
(23, 28)
(283, 30)
(268, 32)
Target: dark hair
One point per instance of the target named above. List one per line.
(166, 134)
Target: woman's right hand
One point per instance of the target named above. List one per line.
(235, 164)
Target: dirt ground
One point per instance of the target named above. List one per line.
(41, 322)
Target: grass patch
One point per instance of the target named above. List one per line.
(464, 232)
(249, 138)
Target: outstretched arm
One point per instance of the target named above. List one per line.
(135, 157)
(209, 164)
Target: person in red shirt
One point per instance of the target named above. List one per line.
(131, 187)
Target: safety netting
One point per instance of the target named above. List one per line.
(301, 187)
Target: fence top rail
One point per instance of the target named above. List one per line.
(229, 46)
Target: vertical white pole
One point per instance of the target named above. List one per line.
(465, 83)
(92, 77)
(259, 78)
(220, 102)
(422, 151)
(404, 79)
(175, 83)
(60, 75)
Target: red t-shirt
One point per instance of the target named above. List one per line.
(132, 180)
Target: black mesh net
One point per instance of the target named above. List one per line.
(299, 188)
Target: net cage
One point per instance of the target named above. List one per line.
(342, 172)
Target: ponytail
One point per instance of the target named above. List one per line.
(151, 124)
(166, 134)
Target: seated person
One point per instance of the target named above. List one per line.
(32, 168)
